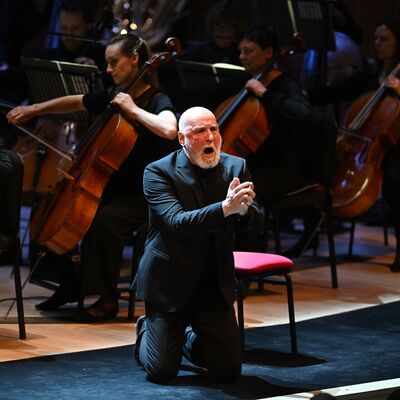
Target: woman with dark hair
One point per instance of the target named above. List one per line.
(275, 166)
(278, 167)
(387, 56)
(123, 207)
(387, 49)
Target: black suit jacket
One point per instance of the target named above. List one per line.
(180, 224)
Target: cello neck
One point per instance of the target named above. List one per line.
(370, 105)
(264, 76)
(110, 110)
(150, 65)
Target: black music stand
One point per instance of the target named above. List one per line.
(198, 74)
(310, 17)
(51, 79)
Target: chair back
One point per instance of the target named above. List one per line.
(11, 180)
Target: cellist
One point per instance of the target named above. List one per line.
(387, 56)
(122, 207)
(276, 167)
(387, 46)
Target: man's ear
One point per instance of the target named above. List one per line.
(181, 139)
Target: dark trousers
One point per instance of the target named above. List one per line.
(102, 246)
(206, 336)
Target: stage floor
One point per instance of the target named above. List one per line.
(364, 280)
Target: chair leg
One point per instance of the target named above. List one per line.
(332, 254)
(239, 300)
(137, 250)
(385, 223)
(131, 305)
(18, 292)
(292, 321)
(351, 241)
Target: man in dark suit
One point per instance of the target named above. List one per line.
(198, 197)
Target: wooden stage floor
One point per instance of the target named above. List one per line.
(364, 281)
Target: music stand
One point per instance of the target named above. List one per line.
(51, 79)
(310, 17)
(198, 74)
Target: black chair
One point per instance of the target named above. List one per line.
(11, 179)
(137, 243)
(385, 224)
(317, 147)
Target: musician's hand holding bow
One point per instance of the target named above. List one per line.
(239, 198)
(21, 114)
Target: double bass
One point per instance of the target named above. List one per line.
(242, 119)
(372, 124)
(64, 216)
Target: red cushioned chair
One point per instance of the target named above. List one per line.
(264, 267)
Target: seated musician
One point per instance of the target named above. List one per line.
(122, 207)
(387, 57)
(76, 19)
(277, 167)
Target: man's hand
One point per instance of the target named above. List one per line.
(239, 198)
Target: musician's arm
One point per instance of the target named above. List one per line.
(394, 83)
(163, 124)
(288, 101)
(59, 105)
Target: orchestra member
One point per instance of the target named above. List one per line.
(387, 56)
(122, 207)
(277, 166)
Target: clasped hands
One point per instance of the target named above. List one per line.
(239, 198)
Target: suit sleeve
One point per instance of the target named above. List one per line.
(167, 209)
(254, 218)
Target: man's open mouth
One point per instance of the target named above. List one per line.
(208, 150)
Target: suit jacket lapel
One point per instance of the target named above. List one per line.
(186, 172)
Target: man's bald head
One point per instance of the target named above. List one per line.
(191, 115)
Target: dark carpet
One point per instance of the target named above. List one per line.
(344, 349)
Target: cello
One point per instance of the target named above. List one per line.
(64, 216)
(41, 165)
(42, 150)
(242, 119)
(372, 124)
